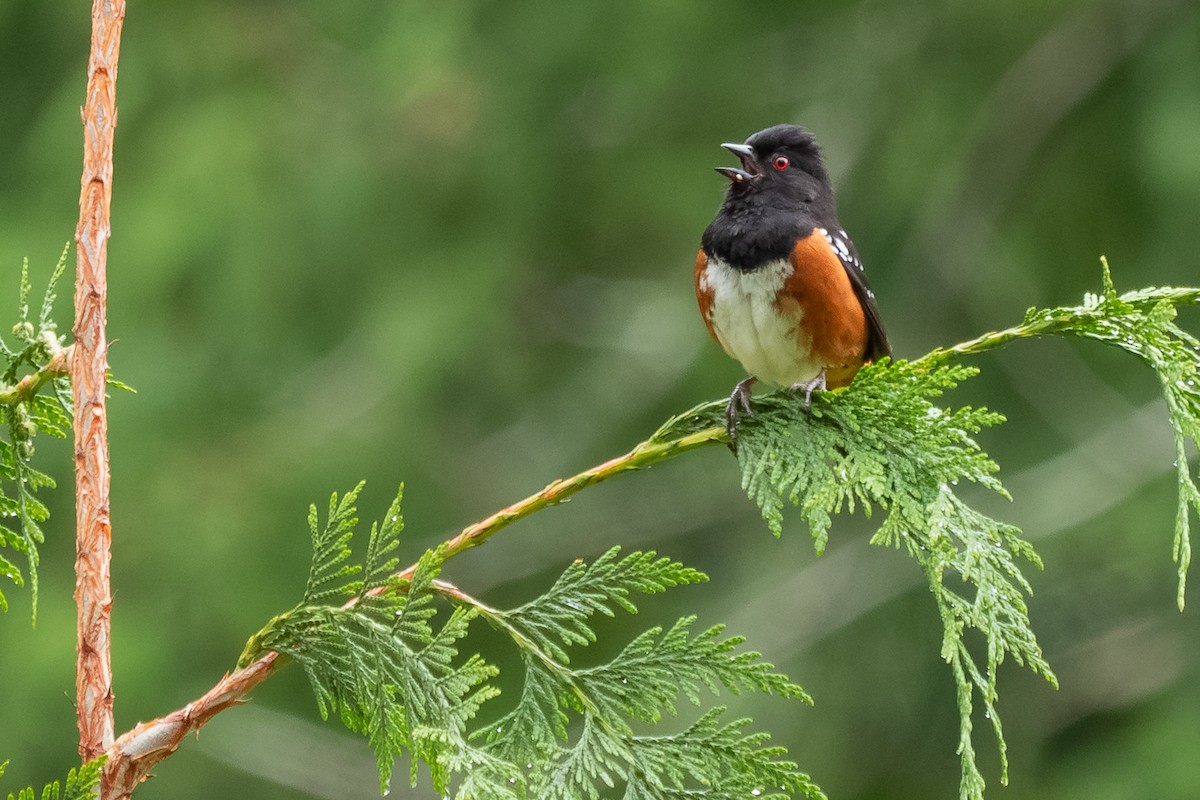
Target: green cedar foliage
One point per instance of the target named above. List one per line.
(641, 684)
(24, 413)
(379, 662)
(81, 784)
(383, 656)
(391, 673)
(883, 445)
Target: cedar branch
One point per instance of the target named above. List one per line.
(134, 754)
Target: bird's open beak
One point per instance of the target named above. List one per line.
(750, 168)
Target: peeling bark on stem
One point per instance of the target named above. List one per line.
(89, 365)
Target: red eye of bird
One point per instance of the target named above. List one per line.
(781, 162)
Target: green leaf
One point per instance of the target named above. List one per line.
(729, 763)
(644, 680)
(331, 549)
(559, 618)
(381, 561)
(45, 320)
(81, 784)
(24, 414)
(882, 444)
(1141, 322)
(640, 685)
(379, 662)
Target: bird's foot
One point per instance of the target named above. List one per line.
(738, 399)
(808, 387)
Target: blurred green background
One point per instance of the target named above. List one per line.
(451, 244)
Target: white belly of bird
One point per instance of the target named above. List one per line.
(743, 315)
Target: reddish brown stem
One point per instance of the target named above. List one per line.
(89, 364)
(131, 757)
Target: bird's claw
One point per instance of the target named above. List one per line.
(739, 402)
(739, 398)
(808, 387)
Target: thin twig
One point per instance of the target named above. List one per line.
(645, 454)
(24, 389)
(135, 753)
(89, 364)
(497, 619)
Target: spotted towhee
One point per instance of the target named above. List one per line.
(778, 280)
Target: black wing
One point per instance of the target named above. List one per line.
(877, 340)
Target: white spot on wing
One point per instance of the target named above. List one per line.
(840, 243)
